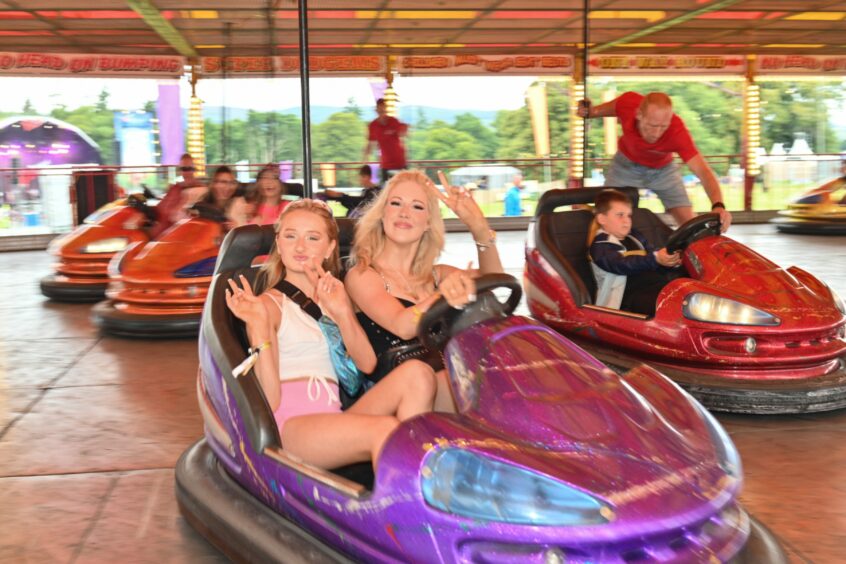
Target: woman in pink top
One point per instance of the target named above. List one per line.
(269, 192)
(297, 381)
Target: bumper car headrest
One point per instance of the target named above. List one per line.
(242, 245)
(552, 199)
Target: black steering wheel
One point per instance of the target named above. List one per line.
(693, 230)
(139, 202)
(440, 322)
(208, 211)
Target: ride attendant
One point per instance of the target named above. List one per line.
(387, 132)
(269, 193)
(172, 206)
(651, 134)
(356, 205)
(393, 278)
(629, 272)
(294, 367)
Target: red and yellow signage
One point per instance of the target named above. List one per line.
(610, 65)
(343, 65)
(485, 64)
(46, 64)
(801, 64)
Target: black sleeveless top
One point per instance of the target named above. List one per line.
(384, 341)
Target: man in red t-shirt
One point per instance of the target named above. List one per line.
(644, 159)
(388, 133)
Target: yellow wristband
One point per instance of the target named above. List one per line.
(261, 347)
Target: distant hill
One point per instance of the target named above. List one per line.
(319, 114)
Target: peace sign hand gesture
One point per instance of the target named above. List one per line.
(462, 204)
(245, 305)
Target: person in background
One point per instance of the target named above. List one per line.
(651, 134)
(269, 196)
(513, 197)
(629, 272)
(387, 133)
(226, 199)
(357, 205)
(179, 197)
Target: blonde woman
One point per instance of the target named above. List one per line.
(393, 278)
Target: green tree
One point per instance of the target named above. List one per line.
(103, 100)
(340, 138)
(28, 108)
(473, 126)
(97, 122)
(514, 130)
(352, 107)
(445, 143)
(790, 108)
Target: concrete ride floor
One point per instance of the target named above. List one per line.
(91, 428)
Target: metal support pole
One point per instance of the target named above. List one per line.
(303, 19)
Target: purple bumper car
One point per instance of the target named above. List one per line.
(551, 458)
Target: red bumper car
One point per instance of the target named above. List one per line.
(157, 290)
(739, 332)
(84, 253)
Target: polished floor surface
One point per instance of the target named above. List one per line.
(91, 428)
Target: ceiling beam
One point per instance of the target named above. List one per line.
(151, 15)
(663, 25)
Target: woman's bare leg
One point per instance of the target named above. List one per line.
(331, 440)
(408, 390)
(444, 401)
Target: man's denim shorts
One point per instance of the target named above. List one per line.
(666, 181)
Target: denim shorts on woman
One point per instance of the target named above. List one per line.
(666, 181)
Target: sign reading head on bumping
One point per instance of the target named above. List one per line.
(67, 64)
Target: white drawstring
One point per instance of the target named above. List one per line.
(314, 389)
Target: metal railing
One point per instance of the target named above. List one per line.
(42, 200)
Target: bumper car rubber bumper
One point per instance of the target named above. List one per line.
(809, 226)
(246, 530)
(234, 521)
(63, 290)
(112, 321)
(739, 395)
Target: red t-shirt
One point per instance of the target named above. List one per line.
(389, 138)
(676, 139)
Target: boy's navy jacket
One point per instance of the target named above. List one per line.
(611, 255)
(612, 263)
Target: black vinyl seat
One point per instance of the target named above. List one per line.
(562, 236)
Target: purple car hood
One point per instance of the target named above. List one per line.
(570, 417)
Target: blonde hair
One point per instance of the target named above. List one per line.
(369, 241)
(272, 271)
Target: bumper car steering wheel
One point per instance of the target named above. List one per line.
(441, 321)
(693, 230)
